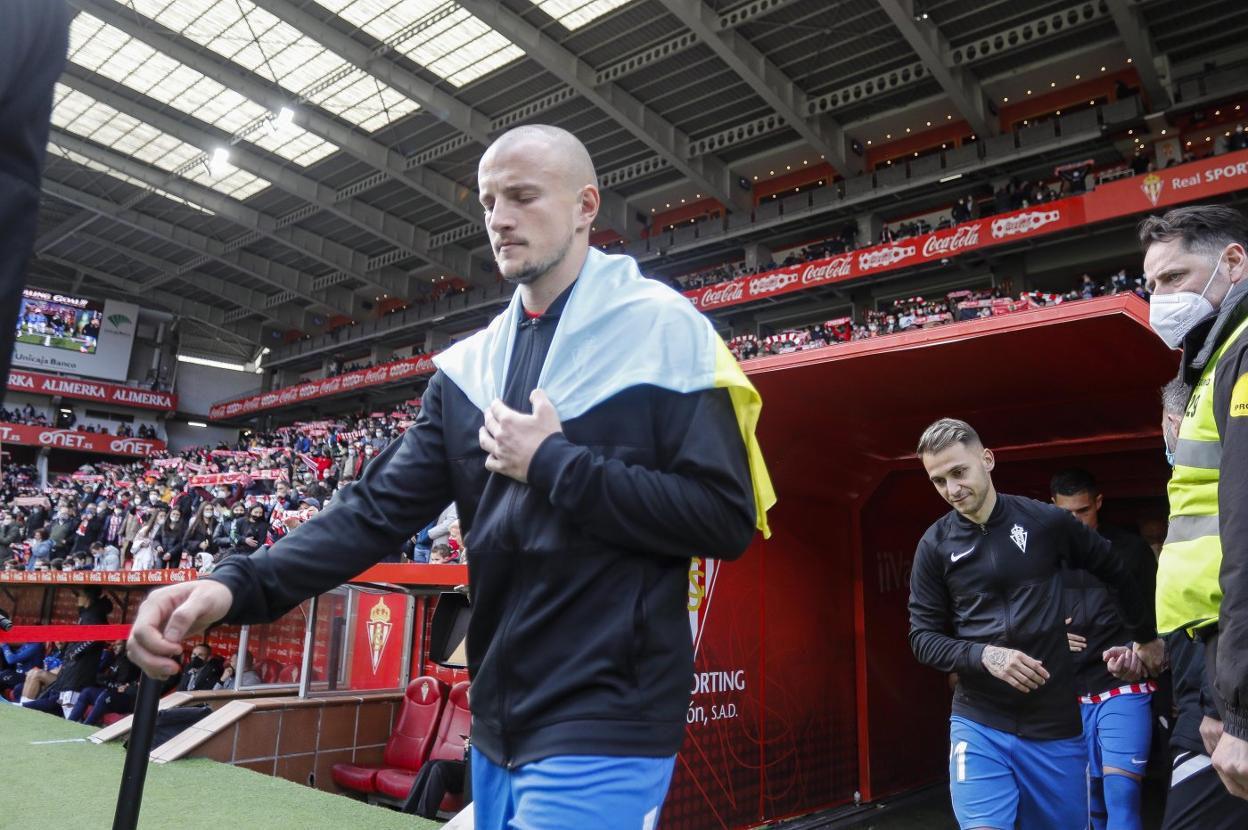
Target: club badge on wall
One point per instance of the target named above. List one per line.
(378, 627)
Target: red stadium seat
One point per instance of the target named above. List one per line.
(449, 746)
(288, 674)
(409, 744)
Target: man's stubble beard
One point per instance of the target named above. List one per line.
(536, 271)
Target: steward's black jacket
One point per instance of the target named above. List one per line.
(1094, 615)
(579, 641)
(1000, 584)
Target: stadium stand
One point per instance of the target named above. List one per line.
(274, 204)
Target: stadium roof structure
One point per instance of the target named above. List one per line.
(248, 165)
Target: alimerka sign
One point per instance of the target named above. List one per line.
(38, 383)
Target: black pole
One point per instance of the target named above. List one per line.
(142, 727)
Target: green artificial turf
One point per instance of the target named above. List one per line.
(76, 783)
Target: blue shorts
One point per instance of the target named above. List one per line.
(1118, 732)
(570, 791)
(1001, 781)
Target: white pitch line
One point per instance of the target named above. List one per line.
(62, 741)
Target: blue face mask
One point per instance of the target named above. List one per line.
(1169, 457)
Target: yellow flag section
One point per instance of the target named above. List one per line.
(747, 404)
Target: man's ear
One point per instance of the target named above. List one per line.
(990, 460)
(588, 205)
(1236, 262)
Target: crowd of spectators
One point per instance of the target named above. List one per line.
(918, 312)
(23, 415)
(1016, 194)
(191, 509)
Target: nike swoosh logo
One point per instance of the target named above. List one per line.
(1138, 761)
(954, 557)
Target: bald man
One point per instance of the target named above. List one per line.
(591, 458)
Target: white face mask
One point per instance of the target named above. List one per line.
(1173, 316)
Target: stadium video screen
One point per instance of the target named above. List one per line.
(59, 321)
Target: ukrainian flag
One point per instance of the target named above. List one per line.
(617, 330)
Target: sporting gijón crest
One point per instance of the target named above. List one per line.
(1019, 535)
(378, 630)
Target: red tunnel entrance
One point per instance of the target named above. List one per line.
(805, 637)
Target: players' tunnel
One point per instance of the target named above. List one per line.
(807, 691)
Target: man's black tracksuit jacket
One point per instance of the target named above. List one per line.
(579, 642)
(1000, 583)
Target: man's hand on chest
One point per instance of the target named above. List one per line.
(510, 438)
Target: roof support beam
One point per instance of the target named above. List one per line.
(959, 83)
(708, 173)
(350, 262)
(281, 276)
(473, 123)
(434, 186)
(396, 231)
(1129, 19)
(211, 316)
(768, 82)
(254, 302)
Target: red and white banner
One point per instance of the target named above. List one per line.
(935, 246)
(212, 480)
(175, 463)
(68, 439)
(269, 475)
(391, 372)
(32, 501)
(91, 390)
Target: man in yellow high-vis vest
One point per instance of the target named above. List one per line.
(1196, 266)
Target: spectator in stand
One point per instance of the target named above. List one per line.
(249, 533)
(41, 677)
(115, 692)
(146, 542)
(224, 538)
(105, 557)
(18, 659)
(962, 210)
(112, 527)
(202, 672)
(441, 530)
(1238, 139)
(40, 550)
(249, 678)
(201, 531)
(10, 532)
(83, 660)
(167, 543)
(61, 531)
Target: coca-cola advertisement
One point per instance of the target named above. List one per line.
(935, 246)
(395, 370)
